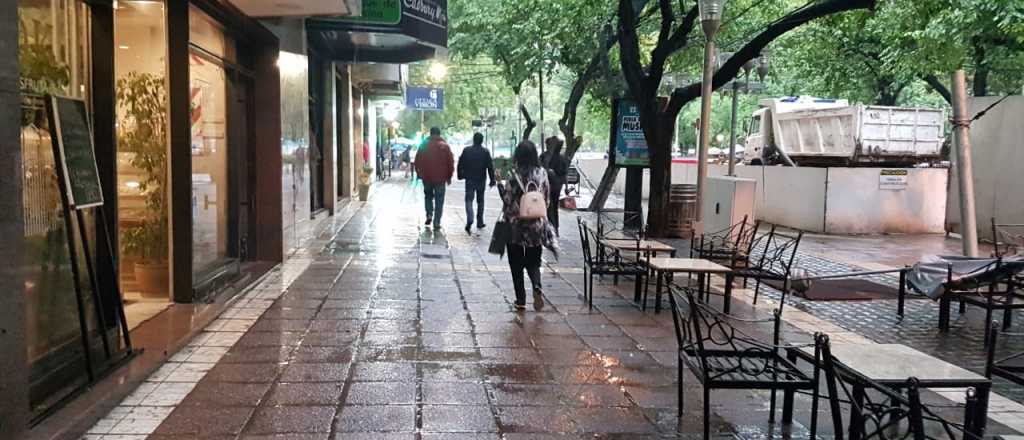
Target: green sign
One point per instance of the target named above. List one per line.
(388, 12)
(73, 151)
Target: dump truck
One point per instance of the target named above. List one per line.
(809, 131)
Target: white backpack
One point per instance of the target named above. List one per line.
(532, 204)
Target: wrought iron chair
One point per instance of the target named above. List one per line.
(879, 412)
(1007, 239)
(994, 288)
(723, 356)
(1009, 367)
(730, 246)
(772, 259)
(605, 264)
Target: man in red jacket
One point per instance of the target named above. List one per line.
(435, 164)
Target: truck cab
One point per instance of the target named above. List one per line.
(758, 132)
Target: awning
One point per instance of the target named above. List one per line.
(389, 31)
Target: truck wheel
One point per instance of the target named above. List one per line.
(756, 162)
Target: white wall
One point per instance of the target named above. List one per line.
(998, 161)
(788, 196)
(856, 205)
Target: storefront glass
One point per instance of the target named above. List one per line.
(54, 56)
(140, 37)
(210, 185)
(295, 149)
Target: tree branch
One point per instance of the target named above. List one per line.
(629, 49)
(939, 88)
(530, 124)
(567, 124)
(752, 49)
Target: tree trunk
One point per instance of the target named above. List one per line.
(939, 87)
(660, 151)
(529, 123)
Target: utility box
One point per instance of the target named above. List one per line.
(726, 200)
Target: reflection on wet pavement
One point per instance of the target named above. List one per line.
(395, 332)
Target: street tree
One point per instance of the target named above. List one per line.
(678, 32)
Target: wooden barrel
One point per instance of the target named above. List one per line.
(682, 210)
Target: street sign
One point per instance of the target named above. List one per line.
(385, 12)
(630, 144)
(424, 98)
(893, 180)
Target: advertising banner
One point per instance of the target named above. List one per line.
(424, 98)
(630, 145)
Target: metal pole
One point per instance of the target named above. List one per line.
(542, 146)
(705, 128)
(732, 129)
(964, 170)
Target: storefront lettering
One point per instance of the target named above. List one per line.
(427, 9)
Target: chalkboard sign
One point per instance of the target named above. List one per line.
(73, 151)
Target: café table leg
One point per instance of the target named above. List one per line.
(980, 416)
(856, 416)
(787, 396)
(657, 293)
(727, 298)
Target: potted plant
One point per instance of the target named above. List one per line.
(365, 176)
(142, 131)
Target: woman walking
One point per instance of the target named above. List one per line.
(529, 235)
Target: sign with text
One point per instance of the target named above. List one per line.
(424, 98)
(386, 12)
(73, 151)
(893, 180)
(630, 144)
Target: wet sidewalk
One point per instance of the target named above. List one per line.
(380, 329)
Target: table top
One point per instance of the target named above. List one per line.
(642, 245)
(690, 265)
(896, 363)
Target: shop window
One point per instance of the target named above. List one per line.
(140, 67)
(54, 57)
(210, 185)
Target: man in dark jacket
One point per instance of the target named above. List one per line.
(475, 166)
(435, 165)
(558, 169)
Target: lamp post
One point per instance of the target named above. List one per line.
(747, 67)
(710, 20)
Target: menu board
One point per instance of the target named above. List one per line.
(73, 151)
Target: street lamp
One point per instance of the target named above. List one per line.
(710, 19)
(747, 67)
(437, 71)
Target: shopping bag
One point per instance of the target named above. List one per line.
(501, 236)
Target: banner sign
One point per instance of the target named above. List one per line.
(424, 98)
(893, 180)
(386, 12)
(630, 145)
(72, 134)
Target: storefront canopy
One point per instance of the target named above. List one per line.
(388, 31)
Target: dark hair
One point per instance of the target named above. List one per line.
(525, 155)
(478, 138)
(434, 131)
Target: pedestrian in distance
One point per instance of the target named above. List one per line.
(475, 167)
(435, 165)
(524, 196)
(558, 169)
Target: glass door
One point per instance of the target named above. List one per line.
(208, 94)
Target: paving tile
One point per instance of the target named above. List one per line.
(205, 420)
(212, 393)
(377, 418)
(381, 393)
(384, 372)
(451, 418)
(291, 419)
(318, 372)
(454, 393)
(243, 372)
(305, 394)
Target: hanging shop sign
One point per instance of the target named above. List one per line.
(424, 98)
(630, 144)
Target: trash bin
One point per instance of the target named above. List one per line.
(682, 210)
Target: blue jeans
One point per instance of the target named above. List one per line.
(433, 199)
(475, 189)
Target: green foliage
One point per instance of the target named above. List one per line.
(142, 131)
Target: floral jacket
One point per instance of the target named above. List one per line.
(528, 233)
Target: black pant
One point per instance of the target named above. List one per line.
(521, 257)
(556, 192)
